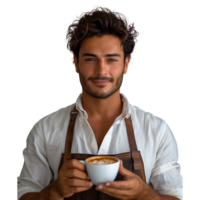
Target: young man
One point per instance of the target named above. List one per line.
(100, 126)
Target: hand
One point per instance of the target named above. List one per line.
(132, 187)
(72, 179)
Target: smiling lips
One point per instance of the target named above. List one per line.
(100, 82)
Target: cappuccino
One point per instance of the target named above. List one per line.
(102, 160)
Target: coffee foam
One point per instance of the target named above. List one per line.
(103, 161)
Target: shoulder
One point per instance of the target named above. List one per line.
(150, 126)
(57, 116)
(54, 122)
(140, 116)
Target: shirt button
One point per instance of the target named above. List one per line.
(92, 144)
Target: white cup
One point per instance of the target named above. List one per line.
(101, 173)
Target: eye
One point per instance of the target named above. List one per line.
(113, 59)
(89, 59)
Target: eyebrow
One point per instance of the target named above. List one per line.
(107, 55)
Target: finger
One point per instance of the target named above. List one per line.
(123, 171)
(74, 163)
(75, 173)
(79, 183)
(76, 189)
(120, 185)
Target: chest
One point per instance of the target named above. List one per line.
(100, 128)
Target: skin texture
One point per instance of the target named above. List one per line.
(101, 102)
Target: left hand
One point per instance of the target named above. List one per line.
(132, 187)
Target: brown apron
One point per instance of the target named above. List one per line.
(131, 160)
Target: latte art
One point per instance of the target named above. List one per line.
(102, 161)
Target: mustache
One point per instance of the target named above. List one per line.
(101, 79)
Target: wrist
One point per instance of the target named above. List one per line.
(51, 193)
(54, 193)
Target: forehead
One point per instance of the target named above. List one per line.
(101, 45)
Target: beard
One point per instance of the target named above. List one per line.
(101, 95)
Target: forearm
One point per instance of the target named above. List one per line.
(166, 197)
(48, 193)
(150, 194)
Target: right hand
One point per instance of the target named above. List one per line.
(72, 179)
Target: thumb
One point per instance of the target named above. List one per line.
(124, 172)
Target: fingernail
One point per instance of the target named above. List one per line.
(99, 187)
(107, 184)
(91, 184)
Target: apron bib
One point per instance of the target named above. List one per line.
(132, 161)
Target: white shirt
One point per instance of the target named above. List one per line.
(155, 141)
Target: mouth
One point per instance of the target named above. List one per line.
(100, 82)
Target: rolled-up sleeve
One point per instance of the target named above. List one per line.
(36, 173)
(165, 176)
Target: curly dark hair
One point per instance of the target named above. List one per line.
(99, 22)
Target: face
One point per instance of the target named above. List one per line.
(101, 65)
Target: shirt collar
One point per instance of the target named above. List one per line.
(125, 110)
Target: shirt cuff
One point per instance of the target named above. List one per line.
(164, 168)
(176, 192)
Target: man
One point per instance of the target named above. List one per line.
(98, 122)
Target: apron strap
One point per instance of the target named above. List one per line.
(69, 138)
(138, 165)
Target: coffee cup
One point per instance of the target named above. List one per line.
(101, 169)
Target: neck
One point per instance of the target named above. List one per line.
(108, 107)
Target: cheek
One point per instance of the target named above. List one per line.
(85, 70)
(116, 69)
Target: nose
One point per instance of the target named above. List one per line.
(101, 69)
